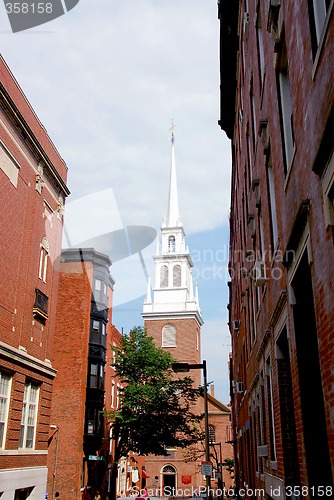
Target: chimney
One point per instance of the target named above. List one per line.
(212, 390)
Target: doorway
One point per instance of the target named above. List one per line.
(169, 480)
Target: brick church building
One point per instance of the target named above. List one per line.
(173, 318)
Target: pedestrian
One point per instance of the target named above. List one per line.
(57, 495)
(97, 495)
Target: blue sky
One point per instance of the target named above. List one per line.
(106, 79)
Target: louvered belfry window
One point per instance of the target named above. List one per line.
(164, 277)
(169, 336)
(177, 275)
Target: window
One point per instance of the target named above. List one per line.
(177, 275)
(271, 412)
(164, 277)
(261, 236)
(171, 244)
(259, 36)
(96, 377)
(169, 336)
(252, 100)
(272, 203)
(29, 416)
(5, 387)
(318, 10)
(286, 109)
(8, 165)
(43, 259)
(93, 376)
(212, 434)
(327, 181)
(100, 291)
(98, 332)
(112, 394)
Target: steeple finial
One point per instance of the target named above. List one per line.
(171, 130)
(173, 216)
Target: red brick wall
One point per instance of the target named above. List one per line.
(70, 358)
(22, 226)
(312, 95)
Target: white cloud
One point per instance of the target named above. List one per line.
(106, 79)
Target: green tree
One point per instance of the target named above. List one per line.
(156, 409)
(229, 464)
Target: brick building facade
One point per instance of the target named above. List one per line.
(80, 452)
(32, 194)
(277, 97)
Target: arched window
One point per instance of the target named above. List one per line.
(164, 277)
(212, 434)
(169, 469)
(43, 259)
(171, 244)
(177, 275)
(169, 336)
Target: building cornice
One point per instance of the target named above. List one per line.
(22, 357)
(170, 315)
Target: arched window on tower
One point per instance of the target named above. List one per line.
(43, 259)
(164, 277)
(168, 336)
(177, 275)
(212, 434)
(171, 244)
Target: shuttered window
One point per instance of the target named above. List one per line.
(177, 275)
(164, 277)
(169, 336)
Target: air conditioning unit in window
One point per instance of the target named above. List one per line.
(260, 273)
(236, 325)
(238, 387)
(246, 23)
(262, 451)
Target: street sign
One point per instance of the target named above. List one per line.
(95, 457)
(207, 468)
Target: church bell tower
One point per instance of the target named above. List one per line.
(171, 314)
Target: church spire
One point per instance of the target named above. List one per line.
(173, 215)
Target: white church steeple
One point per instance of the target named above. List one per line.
(173, 289)
(173, 215)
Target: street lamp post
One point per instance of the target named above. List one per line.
(185, 367)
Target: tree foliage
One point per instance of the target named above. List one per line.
(156, 409)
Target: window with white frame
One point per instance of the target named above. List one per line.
(319, 10)
(259, 36)
(98, 285)
(212, 434)
(327, 181)
(272, 203)
(271, 413)
(112, 403)
(29, 416)
(5, 388)
(169, 336)
(286, 108)
(43, 259)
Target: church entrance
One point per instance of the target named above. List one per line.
(169, 480)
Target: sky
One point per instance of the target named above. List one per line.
(106, 79)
